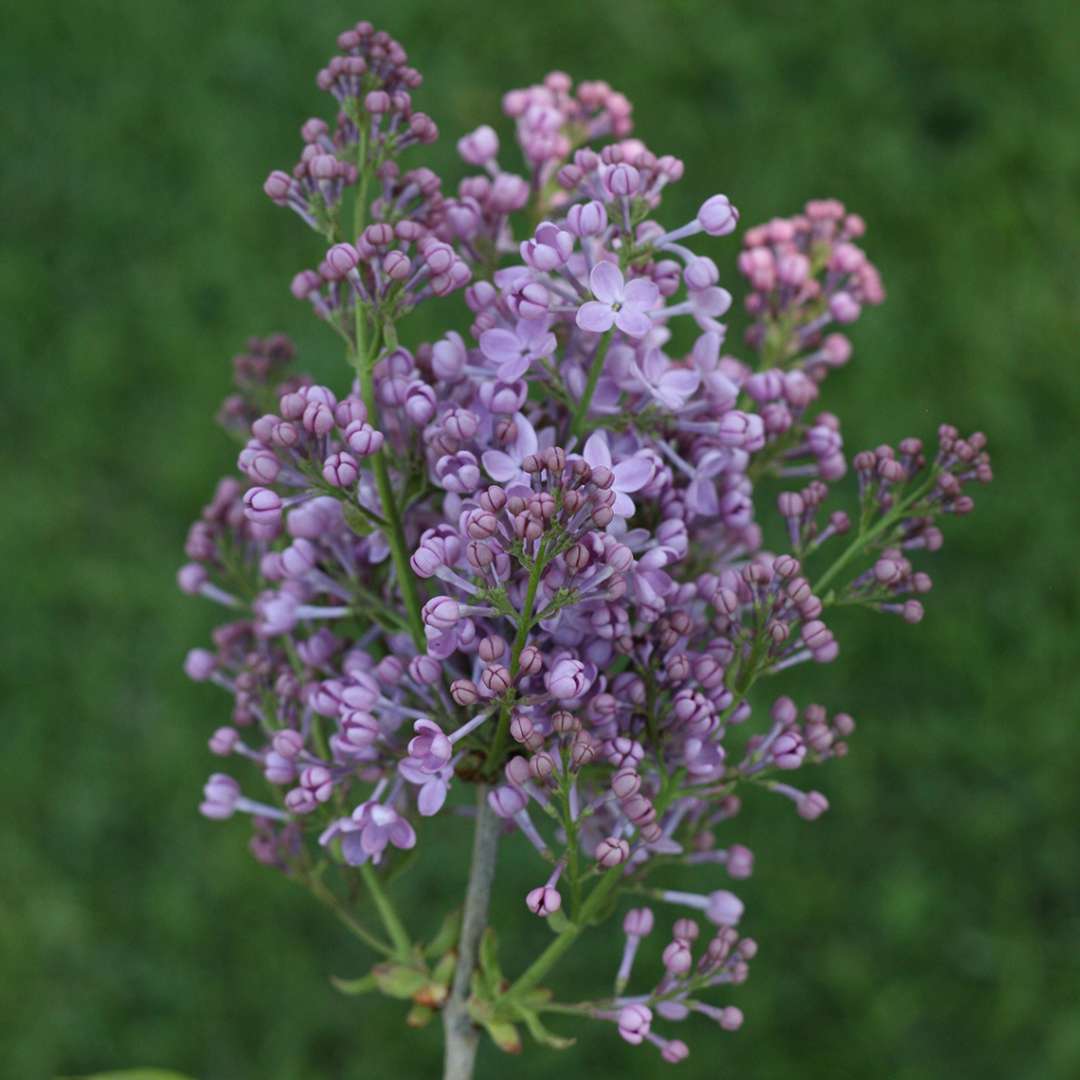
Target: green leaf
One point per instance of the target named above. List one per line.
(541, 1033)
(504, 1035)
(446, 937)
(399, 980)
(419, 1016)
(356, 519)
(444, 969)
(537, 998)
(364, 985)
(489, 961)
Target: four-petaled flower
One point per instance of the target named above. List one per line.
(433, 785)
(367, 833)
(514, 351)
(622, 304)
(504, 467)
(631, 474)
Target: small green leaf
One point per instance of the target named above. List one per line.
(364, 985)
(541, 1033)
(446, 937)
(489, 958)
(504, 1035)
(444, 969)
(537, 998)
(419, 1016)
(398, 980)
(432, 994)
(356, 519)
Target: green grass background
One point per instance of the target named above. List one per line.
(928, 926)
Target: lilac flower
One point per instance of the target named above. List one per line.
(514, 351)
(634, 1023)
(669, 385)
(461, 518)
(430, 749)
(631, 474)
(367, 833)
(433, 785)
(624, 306)
(567, 679)
(504, 466)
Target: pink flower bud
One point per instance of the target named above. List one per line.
(612, 852)
(543, 901)
(717, 216)
(634, 1023)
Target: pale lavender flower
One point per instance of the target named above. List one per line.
(622, 305)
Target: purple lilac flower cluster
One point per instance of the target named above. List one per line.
(530, 559)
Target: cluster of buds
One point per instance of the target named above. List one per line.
(806, 273)
(530, 558)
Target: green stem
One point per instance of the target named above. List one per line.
(577, 421)
(323, 893)
(395, 530)
(554, 952)
(363, 359)
(394, 926)
(524, 626)
(863, 539)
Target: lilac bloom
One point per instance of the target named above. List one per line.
(669, 385)
(707, 305)
(625, 305)
(631, 474)
(701, 495)
(433, 785)
(514, 351)
(505, 467)
(429, 749)
(368, 832)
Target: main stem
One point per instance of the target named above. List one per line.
(364, 362)
(461, 1034)
(395, 530)
(577, 421)
(520, 639)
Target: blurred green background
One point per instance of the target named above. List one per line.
(928, 926)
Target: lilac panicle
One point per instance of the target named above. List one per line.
(556, 554)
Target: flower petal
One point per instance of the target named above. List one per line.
(595, 317)
(525, 440)
(677, 385)
(633, 321)
(623, 505)
(701, 497)
(641, 292)
(632, 474)
(530, 331)
(431, 798)
(596, 451)
(513, 369)
(606, 282)
(402, 834)
(373, 838)
(500, 467)
(713, 301)
(352, 849)
(500, 345)
(544, 347)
